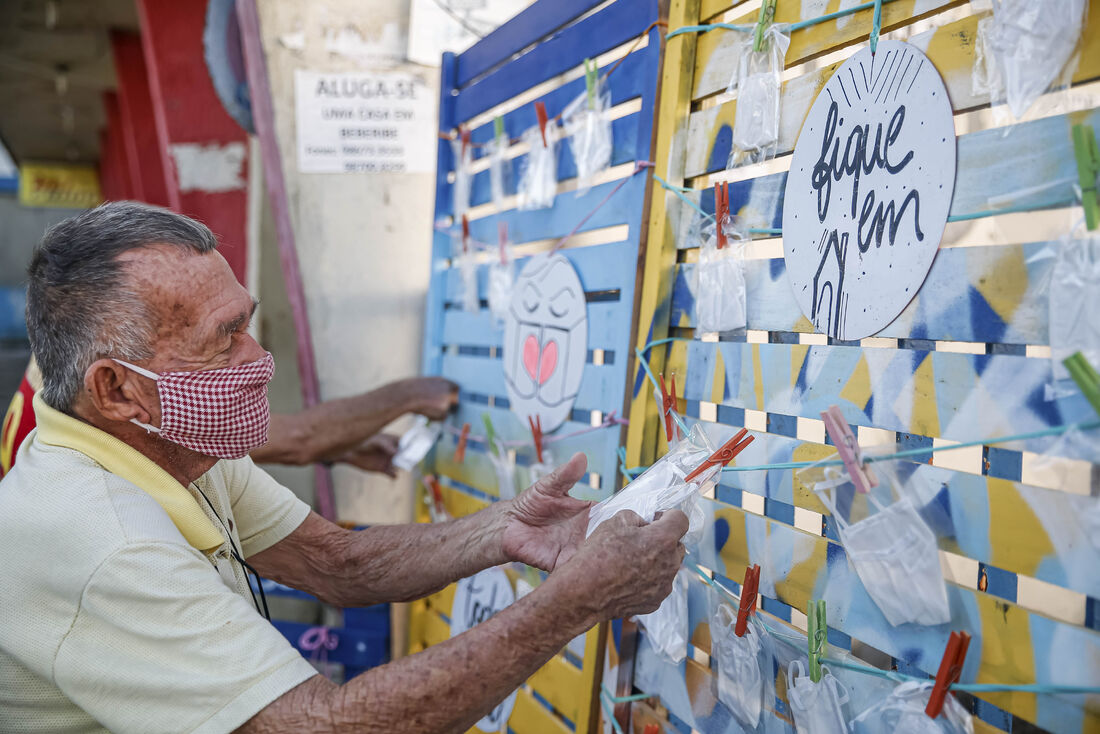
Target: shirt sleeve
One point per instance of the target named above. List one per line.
(161, 644)
(265, 511)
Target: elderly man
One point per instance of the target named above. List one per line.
(133, 516)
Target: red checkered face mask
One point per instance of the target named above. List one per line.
(222, 412)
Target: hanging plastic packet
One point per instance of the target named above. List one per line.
(893, 551)
(1031, 42)
(416, 442)
(540, 469)
(985, 76)
(744, 664)
(464, 159)
(504, 464)
(588, 126)
(662, 486)
(667, 626)
(902, 712)
(720, 278)
(500, 167)
(502, 276)
(756, 116)
(467, 268)
(818, 708)
(539, 181)
(1074, 304)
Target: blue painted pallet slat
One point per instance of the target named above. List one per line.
(588, 38)
(475, 330)
(530, 26)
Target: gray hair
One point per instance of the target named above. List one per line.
(81, 305)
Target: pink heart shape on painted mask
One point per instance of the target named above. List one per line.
(539, 362)
(548, 362)
(531, 356)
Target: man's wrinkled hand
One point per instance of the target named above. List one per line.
(375, 454)
(544, 525)
(433, 397)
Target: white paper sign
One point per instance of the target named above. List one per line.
(869, 190)
(545, 341)
(476, 599)
(369, 121)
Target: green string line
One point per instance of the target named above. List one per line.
(791, 27)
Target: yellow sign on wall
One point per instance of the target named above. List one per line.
(58, 185)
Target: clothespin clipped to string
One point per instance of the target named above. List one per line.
(767, 15)
(438, 508)
(749, 590)
(816, 636)
(723, 455)
(668, 405)
(536, 434)
(540, 113)
(1086, 377)
(498, 127)
(464, 136)
(502, 241)
(954, 655)
(1087, 153)
(591, 82)
(460, 449)
(652, 729)
(465, 235)
(841, 434)
(490, 433)
(721, 210)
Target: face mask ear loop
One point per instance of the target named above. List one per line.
(823, 495)
(140, 370)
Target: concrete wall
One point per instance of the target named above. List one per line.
(363, 239)
(21, 227)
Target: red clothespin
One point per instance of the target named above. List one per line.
(460, 450)
(465, 234)
(536, 434)
(464, 136)
(502, 238)
(749, 590)
(540, 112)
(724, 455)
(437, 496)
(721, 210)
(841, 434)
(668, 404)
(950, 669)
(652, 729)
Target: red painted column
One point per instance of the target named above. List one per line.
(197, 136)
(114, 166)
(139, 129)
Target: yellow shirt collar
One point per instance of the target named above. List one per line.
(57, 429)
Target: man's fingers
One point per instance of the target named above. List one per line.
(673, 522)
(562, 479)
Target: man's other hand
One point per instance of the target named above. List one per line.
(432, 397)
(544, 525)
(375, 454)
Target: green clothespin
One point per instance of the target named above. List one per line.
(1086, 377)
(498, 127)
(816, 631)
(767, 15)
(490, 432)
(591, 82)
(1087, 153)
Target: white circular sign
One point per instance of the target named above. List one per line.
(545, 340)
(476, 599)
(869, 190)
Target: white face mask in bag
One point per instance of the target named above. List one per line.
(744, 665)
(667, 626)
(415, 443)
(895, 555)
(818, 708)
(902, 712)
(720, 303)
(662, 487)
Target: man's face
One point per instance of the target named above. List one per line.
(202, 312)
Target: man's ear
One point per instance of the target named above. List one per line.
(118, 394)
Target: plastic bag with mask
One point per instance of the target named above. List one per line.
(1074, 305)
(539, 181)
(902, 712)
(415, 443)
(744, 664)
(818, 708)
(500, 169)
(464, 158)
(756, 117)
(893, 551)
(502, 276)
(588, 126)
(667, 626)
(467, 268)
(720, 278)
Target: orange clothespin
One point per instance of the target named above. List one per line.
(749, 590)
(721, 210)
(465, 234)
(464, 136)
(724, 455)
(536, 434)
(954, 655)
(848, 449)
(668, 404)
(460, 450)
(652, 729)
(502, 240)
(540, 112)
(437, 497)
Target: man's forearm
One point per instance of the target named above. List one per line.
(449, 686)
(330, 429)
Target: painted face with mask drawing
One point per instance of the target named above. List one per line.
(545, 340)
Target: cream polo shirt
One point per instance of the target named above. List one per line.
(120, 608)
